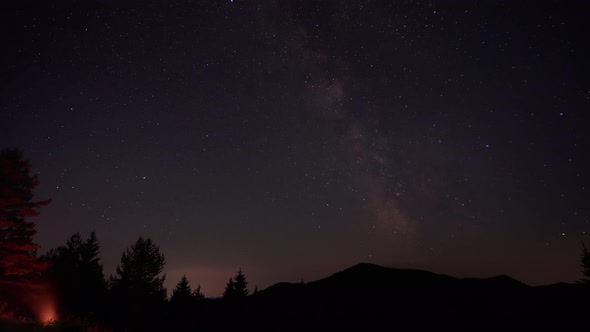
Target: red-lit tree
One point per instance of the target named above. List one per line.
(19, 266)
(17, 249)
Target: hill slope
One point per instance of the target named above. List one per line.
(373, 297)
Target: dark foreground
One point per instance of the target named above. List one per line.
(368, 297)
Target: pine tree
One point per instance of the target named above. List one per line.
(240, 285)
(236, 287)
(17, 249)
(182, 293)
(141, 270)
(77, 276)
(137, 292)
(19, 266)
(230, 291)
(197, 294)
(182, 301)
(93, 285)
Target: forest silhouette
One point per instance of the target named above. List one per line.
(66, 289)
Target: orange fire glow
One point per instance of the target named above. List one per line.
(37, 297)
(43, 304)
(47, 314)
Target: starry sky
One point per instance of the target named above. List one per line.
(296, 138)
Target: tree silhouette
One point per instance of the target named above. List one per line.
(77, 276)
(241, 284)
(236, 287)
(197, 294)
(17, 249)
(185, 306)
(585, 258)
(182, 294)
(141, 268)
(19, 266)
(138, 292)
(230, 291)
(182, 304)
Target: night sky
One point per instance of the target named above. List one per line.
(296, 138)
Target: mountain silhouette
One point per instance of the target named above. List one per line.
(372, 297)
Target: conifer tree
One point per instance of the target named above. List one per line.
(17, 249)
(182, 293)
(137, 291)
(141, 270)
(197, 294)
(240, 284)
(236, 287)
(230, 291)
(19, 265)
(77, 276)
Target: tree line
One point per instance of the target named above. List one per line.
(133, 299)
